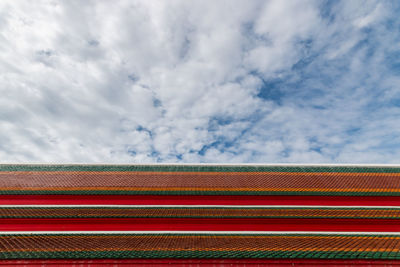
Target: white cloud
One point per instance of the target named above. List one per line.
(167, 81)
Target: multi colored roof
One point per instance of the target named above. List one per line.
(199, 212)
(315, 246)
(199, 180)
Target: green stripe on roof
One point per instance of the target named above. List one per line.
(279, 234)
(198, 168)
(131, 254)
(179, 254)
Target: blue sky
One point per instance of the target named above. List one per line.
(296, 81)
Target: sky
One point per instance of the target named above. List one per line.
(200, 81)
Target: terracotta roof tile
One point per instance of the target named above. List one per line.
(94, 179)
(199, 246)
(199, 212)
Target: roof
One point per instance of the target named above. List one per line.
(200, 179)
(142, 212)
(314, 246)
(168, 212)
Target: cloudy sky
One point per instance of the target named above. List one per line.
(200, 81)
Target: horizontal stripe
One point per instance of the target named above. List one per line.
(141, 199)
(220, 255)
(195, 206)
(232, 235)
(205, 233)
(199, 183)
(199, 212)
(199, 193)
(282, 248)
(198, 262)
(203, 168)
(199, 246)
(214, 174)
(198, 224)
(243, 189)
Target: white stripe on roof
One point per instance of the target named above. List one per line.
(196, 232)
(190, 206)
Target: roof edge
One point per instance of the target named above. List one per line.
(206, 164)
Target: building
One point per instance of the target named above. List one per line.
(199, 214)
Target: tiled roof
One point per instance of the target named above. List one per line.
(181, 231)
(201, 212)
(199, 180)
(313, 246)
